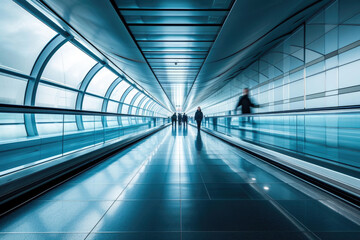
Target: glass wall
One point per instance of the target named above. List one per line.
(22, 37)
(329, 139)
(68, 66)
(45, 67)
(317, 66)
(58, 135)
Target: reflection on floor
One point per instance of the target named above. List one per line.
(181, 184)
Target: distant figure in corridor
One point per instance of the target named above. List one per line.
(245, 102)
(179, 118)
(185, 119)
(198, 117)
(173, 119)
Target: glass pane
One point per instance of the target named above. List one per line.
(125, 121)
(349, 56)
(69, 124)
(133, 110)
(12, 131)
(68, 66)
(92, 103)
(150, 105)
(89, 124)
(49, 124)
(331, 79)
(155, 109)
(76, 140)
(12, 126)
(101, 82)
(125, 109)
(136, 103)
(112, 107)
(349, 75)
(297, 89)
(12, 90)
(315, 84)
(50, 96)
(130, 96)
(112, 121)
(22, 37)
(348, 34)
(119, 91)
(144, 102)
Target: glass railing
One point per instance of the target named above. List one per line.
(329, 137)
(33, 135)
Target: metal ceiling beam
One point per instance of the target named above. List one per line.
(122, 99)
(81, 94)
(132, 101)
(113, 3)
(31, 88)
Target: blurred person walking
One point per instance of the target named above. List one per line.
(173, 119)
(245, 102)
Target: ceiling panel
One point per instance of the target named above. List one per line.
(175, 44)
(101, 29)
(174, 17)
(175, 37)
(182, 52)
(251, 28)
(171, 4)
(176, 55)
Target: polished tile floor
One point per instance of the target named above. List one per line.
(181, 184)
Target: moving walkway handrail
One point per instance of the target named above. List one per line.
(310, 111)
(10, 108)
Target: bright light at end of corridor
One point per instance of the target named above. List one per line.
(179, 97)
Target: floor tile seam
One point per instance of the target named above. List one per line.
(203, 182)
(117, 196)
(298, 224)
(202, 179)
(56, 185)
(180, 208)
(290, 182)
(191, 153)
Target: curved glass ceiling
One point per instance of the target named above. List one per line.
(42, 67)
(175, 38)
(68, 66)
